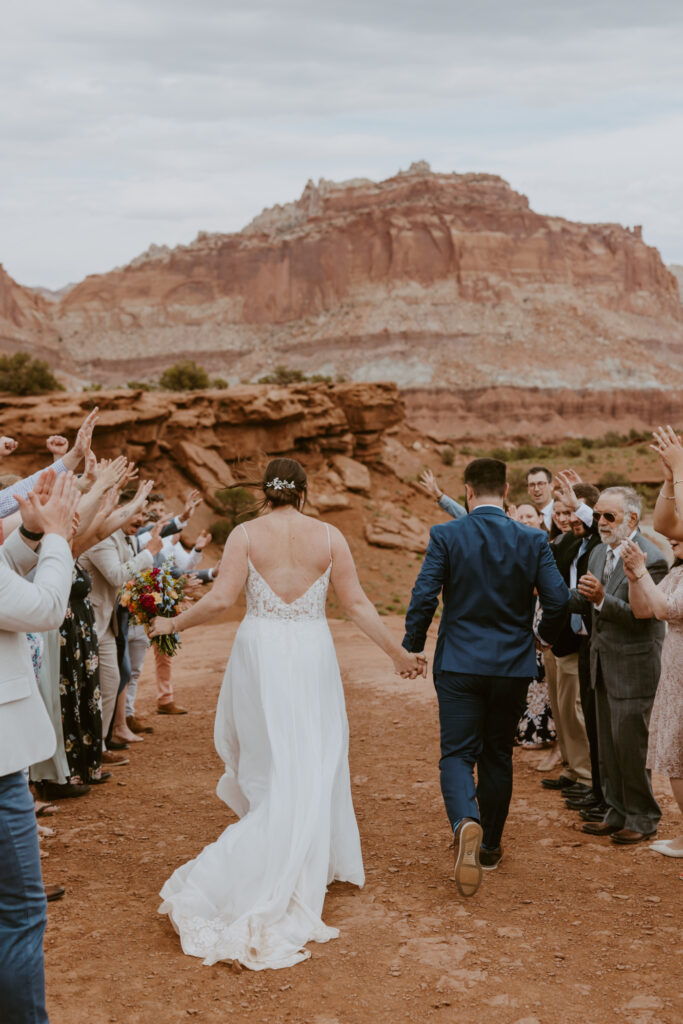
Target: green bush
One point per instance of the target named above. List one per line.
(447, 455)
(219, 382)
(184, 376)
(283, 375)
(22, 375)
(612, 439)
(141, 385)
(573, 449)
(237, 506)
(610, 478)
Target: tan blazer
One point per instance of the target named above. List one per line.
(26, 733)
(110, 564)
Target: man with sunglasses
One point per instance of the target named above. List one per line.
(625, 662)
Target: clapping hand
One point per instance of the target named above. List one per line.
(7, 445)
(668, 447)
(634, 559)
(564, 483)
(192, 502)
(202, 540)
(589, 586)
(84, 435)
(57, 446)
(428, 483)
(51, 506)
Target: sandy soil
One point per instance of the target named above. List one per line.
(568, 929)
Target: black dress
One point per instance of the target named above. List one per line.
(79, 682)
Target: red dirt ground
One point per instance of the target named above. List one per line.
(569, 929)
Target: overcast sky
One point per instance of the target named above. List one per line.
(125, 123)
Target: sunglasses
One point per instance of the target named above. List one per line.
(607, 516)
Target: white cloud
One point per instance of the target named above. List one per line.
(130, 123)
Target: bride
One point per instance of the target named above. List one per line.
(256, 894)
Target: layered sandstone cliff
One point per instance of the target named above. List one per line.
(432, 280)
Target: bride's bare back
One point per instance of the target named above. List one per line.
(289, 550)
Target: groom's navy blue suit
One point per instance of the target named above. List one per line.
(487, 567)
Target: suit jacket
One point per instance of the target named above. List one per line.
(487, 567)
(110, 564)
(624, 649)
(564, 549)
(26, 733)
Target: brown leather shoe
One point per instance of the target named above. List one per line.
(599, 828)
(467, 869)
(171, 709)
(54, 892)
(116, 760)
(626, 836)
(136, 725)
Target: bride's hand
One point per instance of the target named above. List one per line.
(409, 666)
(160, 627)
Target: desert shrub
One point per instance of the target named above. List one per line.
(447, 455)
(612, 439)
(499, 453)
(22, 375)
(283, 375)
(219, 382)
(612, 478)
(573, 448)
(92, 387)
(237, 506)
(184, 376)
(141, 385)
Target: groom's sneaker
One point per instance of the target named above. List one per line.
(467, 871)
(490, 859)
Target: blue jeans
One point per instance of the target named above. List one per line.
(478, 717)
(23, 908)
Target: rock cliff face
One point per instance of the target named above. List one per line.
(432, 280)
(212, 438)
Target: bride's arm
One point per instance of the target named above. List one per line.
(362, 611)
(226, 589)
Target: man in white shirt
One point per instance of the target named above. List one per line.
(539, 484)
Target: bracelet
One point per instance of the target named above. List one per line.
(640, 575)
(30, 534)
(667, 497)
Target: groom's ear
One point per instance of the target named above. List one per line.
(506, 491)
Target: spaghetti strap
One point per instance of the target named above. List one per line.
(329, 540)
(247, 536)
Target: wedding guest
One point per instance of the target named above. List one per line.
(539, 485)
(665, 602)
(625, 654)
(536, 727)
(668, 517)
(26, 733)
(561, 517)
(527, 514)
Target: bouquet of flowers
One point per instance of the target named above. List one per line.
(153, 592)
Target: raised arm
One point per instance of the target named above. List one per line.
(668, 517)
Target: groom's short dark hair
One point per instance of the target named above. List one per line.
(486, 476)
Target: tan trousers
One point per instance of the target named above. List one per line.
(164, 685)
(109, 677)
(565, 701)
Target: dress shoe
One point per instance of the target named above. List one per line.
(596, 813)
(490, 859)
(54, 892)
(627, 836)
(97, 780)
(467, 869)
(579, 803)
(599, 828)
(562, 782)
(61, 790)
(171, 709)
(117, 745)
(578, 789)
(137, 725)
(116, 760)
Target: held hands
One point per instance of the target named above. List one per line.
(410, 666)
(7, 445)
(428, 483)
(668, 447)
(590, 587)
(634, 559)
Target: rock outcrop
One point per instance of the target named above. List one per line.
(431, 280)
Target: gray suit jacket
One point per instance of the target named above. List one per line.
(626, 650)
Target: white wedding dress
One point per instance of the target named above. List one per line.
(256, 894)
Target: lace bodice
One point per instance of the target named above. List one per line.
(264, 603)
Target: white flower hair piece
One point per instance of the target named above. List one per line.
(276, 484)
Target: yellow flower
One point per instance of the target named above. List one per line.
(157, 598)
(124, 600)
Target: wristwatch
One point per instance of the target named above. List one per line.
(30, 534)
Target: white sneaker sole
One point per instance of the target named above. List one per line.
(467, 872)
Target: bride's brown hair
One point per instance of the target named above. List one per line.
(285, 483)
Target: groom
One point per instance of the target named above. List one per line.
(488, 568)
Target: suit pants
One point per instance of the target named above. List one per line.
(590, 715)
(138, 645)
(565, 701)
(23, 908)
(478, 716)
(110, 678)
(626, 783)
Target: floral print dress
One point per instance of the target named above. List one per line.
(536, 726)
(79, 682)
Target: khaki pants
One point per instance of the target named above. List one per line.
(164, 685)
(565, 701)
(110, 677)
